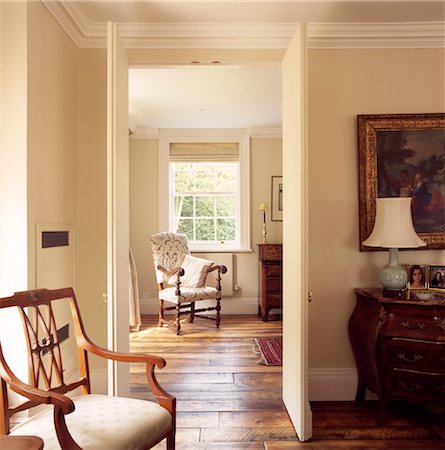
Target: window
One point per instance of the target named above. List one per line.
(204, 182)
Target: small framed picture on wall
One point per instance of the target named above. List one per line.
(437, 277)
(277, 198)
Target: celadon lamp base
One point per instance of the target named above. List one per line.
(393, 276)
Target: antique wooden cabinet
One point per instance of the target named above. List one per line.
(399, 347)
(270, 278)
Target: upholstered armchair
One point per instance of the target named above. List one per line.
(69, 420)
(182, 279)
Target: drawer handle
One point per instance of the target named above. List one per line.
(410, 326)
(416, 387)
(441, 325)
(416, 358)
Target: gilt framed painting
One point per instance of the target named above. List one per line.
(403, 155)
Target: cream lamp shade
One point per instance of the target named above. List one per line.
(393, 226)
(393, 229)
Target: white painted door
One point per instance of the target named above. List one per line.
(118, 241)
(295, 284)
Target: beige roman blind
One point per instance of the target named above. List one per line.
(204, 152)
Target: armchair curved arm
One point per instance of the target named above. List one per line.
(219, 268)
(163, 397)
(179, 270)
(89, 346)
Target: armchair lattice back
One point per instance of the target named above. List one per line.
(182, 279)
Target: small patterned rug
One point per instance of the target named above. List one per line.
(270, 350)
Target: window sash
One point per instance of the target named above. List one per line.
(176, 218)
(241, 137)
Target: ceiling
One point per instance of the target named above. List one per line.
(222, 95)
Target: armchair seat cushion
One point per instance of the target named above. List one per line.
(101, 422)
(188, 294)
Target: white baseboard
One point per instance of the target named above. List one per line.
(229, 305)
(333, 384)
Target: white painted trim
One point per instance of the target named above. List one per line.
(255, 133)
(239, 135)
(145, 133)
(88, 34)
(266, 133)
(376, 35)
(229, 306)
(334, 384)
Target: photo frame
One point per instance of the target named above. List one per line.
(277, 199)
(437, 277)
(417, 276)
(403, 155)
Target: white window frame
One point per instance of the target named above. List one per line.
(240, 136)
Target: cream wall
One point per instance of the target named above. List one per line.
(265, 160)
(51, 130)
(342, 84)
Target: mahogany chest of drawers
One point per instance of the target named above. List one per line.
(270, 278)
(399, 347)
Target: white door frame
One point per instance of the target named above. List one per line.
(295, 276)
(118, 240)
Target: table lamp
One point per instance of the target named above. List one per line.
(263, 207)
(393, 229)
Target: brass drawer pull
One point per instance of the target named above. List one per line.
(410, 326)
(416, 358)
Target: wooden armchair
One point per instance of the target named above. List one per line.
(182, 279)
(85, 420)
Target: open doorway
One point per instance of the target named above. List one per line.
(215, 98)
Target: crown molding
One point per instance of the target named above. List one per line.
(88, 34)
(255, 133)
(376, 35)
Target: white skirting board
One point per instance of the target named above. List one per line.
(332, 384)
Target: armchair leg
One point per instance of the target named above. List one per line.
(192, 312)
(218, 313)
(178, 323)
(161, 313)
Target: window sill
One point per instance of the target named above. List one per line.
(218, 250)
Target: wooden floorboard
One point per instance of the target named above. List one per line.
(226, 400)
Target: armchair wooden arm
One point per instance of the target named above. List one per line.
(164, 399)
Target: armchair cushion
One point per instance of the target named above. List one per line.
(195, 271)
(188, 294)
(101, 422)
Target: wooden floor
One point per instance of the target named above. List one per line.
(226, 400)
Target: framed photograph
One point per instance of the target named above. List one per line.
(418, 276)
(437, 277)
(277, 198)
(403, 155)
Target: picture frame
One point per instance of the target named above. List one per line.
(436, 279)
(417, 276)
(403, 155)
(277, 199)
